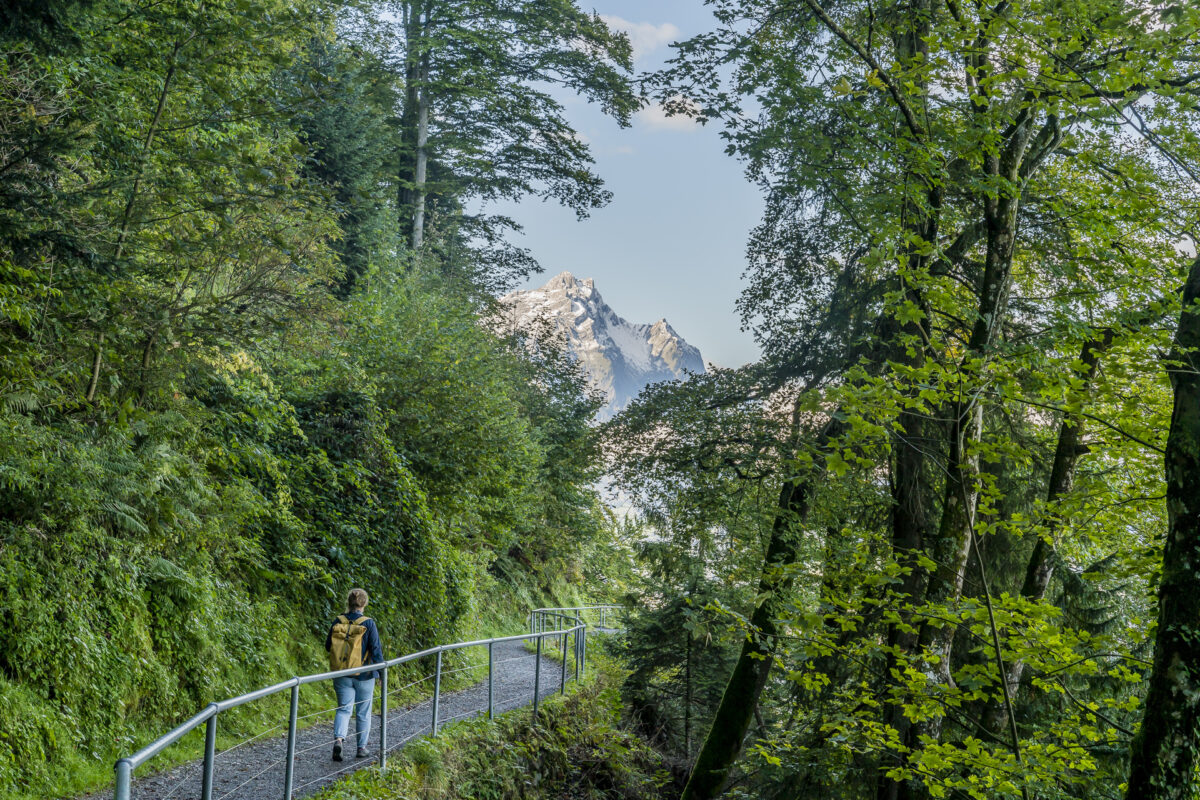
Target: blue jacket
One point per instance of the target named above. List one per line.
(372, 650)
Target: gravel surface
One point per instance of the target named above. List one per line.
(254, 769)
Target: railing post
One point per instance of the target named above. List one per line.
(383, 712)
(537, 678)
(583, 653)
(210, 754)
(437, 691)
(491, 679)
(562, 687)
(289, 769)
(124, 777)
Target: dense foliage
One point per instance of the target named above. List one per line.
(946, 477)
(230, 389)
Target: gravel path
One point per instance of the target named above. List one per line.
(254, 769)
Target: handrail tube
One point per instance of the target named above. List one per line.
(346, 673)
(562, 689)
(437, 691)
(395, 662)
(257, 694)
(491, 680)
(341, 673)
(541, 618)
(574, 608)
(482, 642)
(537, 677)
(125, 766)
(170, 737)
(498, 640)
(124, 780)
(210, 757)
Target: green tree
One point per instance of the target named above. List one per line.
(479, 121)
(345, 101)
(953, 170)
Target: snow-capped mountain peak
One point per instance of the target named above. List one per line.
(620, 358)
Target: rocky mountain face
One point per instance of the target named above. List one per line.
(620, 358)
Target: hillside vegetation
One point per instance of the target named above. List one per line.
(233, 383)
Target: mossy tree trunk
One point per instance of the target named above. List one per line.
(1164, 751)
(736, 710)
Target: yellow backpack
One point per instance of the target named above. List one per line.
(345, 651)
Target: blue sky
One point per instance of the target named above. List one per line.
(671, 244)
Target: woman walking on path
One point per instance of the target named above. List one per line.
(353, 640)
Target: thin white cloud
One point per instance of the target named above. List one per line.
(624, 150)
(646, 37)
(656, 118)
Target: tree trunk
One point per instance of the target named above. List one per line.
(909, 526)
(94, 381)
(909, 515)
(1164, 751)
(687, 697)
(736, 710)
(130, 201)
(910, 519)
(413, 19)
(1040, 568)
(422, 162)
(951, 550)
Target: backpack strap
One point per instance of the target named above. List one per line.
(362, 620)
(342, 619)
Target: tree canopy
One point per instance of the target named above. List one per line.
(977, 220)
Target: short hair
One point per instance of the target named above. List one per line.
(357, 600)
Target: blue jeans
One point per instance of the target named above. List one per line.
(356, 695)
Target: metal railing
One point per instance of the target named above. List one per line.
(208, 717)
(542, 620)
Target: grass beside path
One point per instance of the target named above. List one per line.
(578, 750)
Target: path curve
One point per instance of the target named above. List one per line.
(254, 770)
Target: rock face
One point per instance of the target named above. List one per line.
(619, 357)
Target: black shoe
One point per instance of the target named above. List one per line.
(362, 753)
(337, 751)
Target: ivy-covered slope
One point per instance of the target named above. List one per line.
(192, 552)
